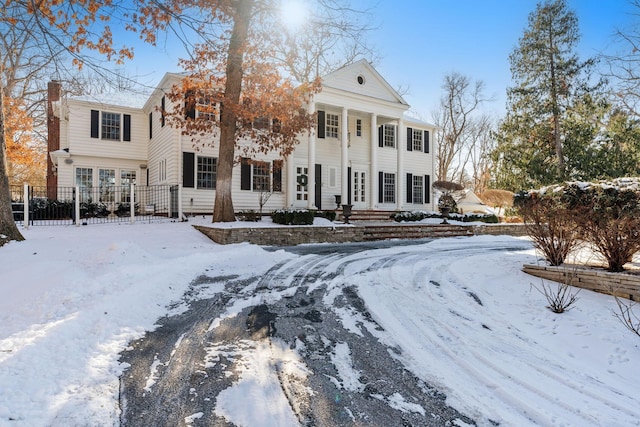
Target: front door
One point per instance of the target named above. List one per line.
(359, 188)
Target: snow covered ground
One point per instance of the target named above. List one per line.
(465, 317)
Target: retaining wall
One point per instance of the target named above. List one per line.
(625, 285)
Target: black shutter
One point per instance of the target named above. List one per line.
(409, 139)
(188, 165)
(245, 174)
(277, 175)
(95, 124)
(380, 187)
(150, 125)
(321, 124)
(427, 189)
(381, 136)
(426, 141)
(126, 132)
(189, 105)
(162, 110)
(409, 188)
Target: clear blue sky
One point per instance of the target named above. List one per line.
(420, 41)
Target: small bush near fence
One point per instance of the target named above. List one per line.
(412, 216)
(293, 216)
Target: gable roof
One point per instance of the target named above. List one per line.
(361, 78)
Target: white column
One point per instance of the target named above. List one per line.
(77, 206)
(311, 171)
(344, 143)
(132, 203)
(291, 182)
(400, 177)
(373, 171)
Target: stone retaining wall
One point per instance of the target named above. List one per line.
(296, 235)
(625, 285)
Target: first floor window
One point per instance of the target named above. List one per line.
(418, 189)
(206, 173)
(106, 184)
(261, 177)
(388, 188)
(127, 177)
(331, 128)
(162, 170)
(84, 180)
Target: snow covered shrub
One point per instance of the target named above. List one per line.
(412, 216)
(549, 223)
(608, 215)
(293, 216)
(249, 215)
(560, 299)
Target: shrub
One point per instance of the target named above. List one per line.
(549, 223)
(293, 216)
(330, 215)
(412, 216)
(608, 215)
(249, 215)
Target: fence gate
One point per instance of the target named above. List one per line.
(173, 196)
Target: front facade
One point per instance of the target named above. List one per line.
(365, 151)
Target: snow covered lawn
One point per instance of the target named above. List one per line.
(464, 315)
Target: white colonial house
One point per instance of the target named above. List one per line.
(366, 150)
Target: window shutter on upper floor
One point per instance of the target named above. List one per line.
(126, 132)
(409, 139)
(151, 125)
(321, 124)
(409, 188)
(245, 174)
(162, 110)
(277, 175)
(426, 141)
(95, 124)
(188, 166)
(189, 105)
(381, 136)
(427, 188)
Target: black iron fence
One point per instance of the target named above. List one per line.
(91, 205)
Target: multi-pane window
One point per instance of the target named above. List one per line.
(110, 126)
(358, 127)
(418, 189)
(84, 180)
(359, 186)
(205, 108)
(301, 190)
(388, 188)
(261, 177)
(389, 135)
(417, 140)
(331, 126)
(162, 170)
(127, 177)
(206, 173)
(106, 184)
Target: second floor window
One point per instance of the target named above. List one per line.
(110, 126)
(417, 140)
(332, 126)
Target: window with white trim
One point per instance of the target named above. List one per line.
(358, 127)
(127, 177)
(261, 177)
(417, 140)
(389, 188)
(110, 126)
(206, 172)
(84, 180)
(162, 170)
(418, 189)
(389, 135)
(106, 184)
(206, 108)
(331, 125)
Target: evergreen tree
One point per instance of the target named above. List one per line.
(548, 80)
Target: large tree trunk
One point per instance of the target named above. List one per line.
(223, 207)
(8, 229)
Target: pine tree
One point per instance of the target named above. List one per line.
(548, 79)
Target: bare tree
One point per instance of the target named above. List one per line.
(624, 64)
(458, 127)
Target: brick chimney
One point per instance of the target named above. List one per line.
(53, 137)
